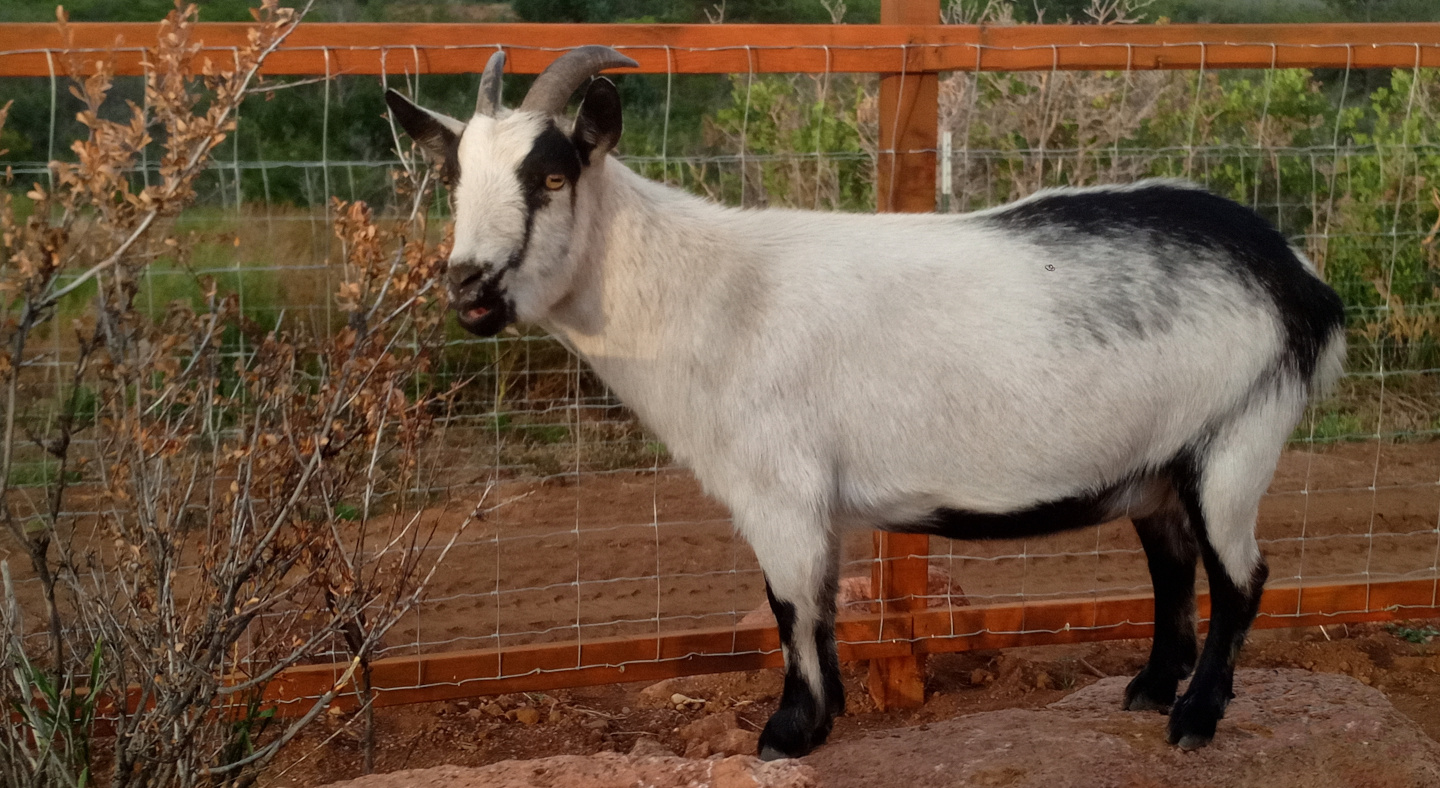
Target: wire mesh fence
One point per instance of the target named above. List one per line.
(592, 536)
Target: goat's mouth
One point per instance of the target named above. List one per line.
(484, 313)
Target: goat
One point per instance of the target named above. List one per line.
(1058, 362)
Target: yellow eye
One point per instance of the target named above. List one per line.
(554, 182)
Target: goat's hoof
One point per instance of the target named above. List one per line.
(1193, 720)
(790, 734)
(1192, 741)
(1146, 693)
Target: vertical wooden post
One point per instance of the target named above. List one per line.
(909, 120)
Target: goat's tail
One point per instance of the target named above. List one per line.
(1327, 308)
(1329, 364)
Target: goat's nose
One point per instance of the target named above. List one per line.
(461, 274)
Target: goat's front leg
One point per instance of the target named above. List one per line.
(801, 568)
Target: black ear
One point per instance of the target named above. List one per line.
(598, 125)
(437, 134)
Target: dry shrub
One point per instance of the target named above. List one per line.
(228, 500)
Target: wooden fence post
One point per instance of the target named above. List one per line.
(909, 117)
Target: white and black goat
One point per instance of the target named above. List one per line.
(1072, 358)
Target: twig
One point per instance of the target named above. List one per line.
(1098, 673)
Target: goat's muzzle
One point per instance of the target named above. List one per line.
(480, 305)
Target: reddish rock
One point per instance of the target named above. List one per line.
(605, 770)
(1285, 729)
(718, 733)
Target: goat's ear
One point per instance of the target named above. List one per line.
(437, 134)
(597, 125)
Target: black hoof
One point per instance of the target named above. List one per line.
(1194, 718)
(791, 734)
(1149, 692)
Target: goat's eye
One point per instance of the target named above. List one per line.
(554, 182)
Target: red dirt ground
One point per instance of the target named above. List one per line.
(613, 718)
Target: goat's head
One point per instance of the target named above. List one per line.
(514, 178)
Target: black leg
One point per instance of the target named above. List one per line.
(1171, 551)
(1232, 608)
(813, 693)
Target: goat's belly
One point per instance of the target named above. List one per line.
(1039, 519)
(1139, 495)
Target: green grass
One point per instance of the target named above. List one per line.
(1417, 635)
(548, 434)
(39, 474)
(1332, 426)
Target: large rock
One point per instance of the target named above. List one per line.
(1285, 729)
(605, 770)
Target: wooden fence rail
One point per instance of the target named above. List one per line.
(30, 50)
(909, 51)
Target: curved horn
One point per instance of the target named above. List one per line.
(489, 100)
(553, 87)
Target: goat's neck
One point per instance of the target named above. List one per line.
(649, 261)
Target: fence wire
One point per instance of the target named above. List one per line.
(594, 532)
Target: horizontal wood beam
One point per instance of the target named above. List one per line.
(537, 668)
(316, 49)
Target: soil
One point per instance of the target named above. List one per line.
(614, 718)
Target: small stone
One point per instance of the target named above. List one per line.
(981, 677)
(555, 715)
(737, 742)
(707, 728)
(475, 714)
(1042, 681)
(646, 747)
(494, 709)
(597, 724)
(527, 715)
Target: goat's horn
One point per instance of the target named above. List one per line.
(553, 87)
(488, 102)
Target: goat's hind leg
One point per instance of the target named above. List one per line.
(1171, 551)
(801, 574)
(1222, 498)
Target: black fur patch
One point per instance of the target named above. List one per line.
(500, 310)
(552, 154)
(428, 133)
(1043, 518)
(1163, 215)
(1171, 551)
(598, 123)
